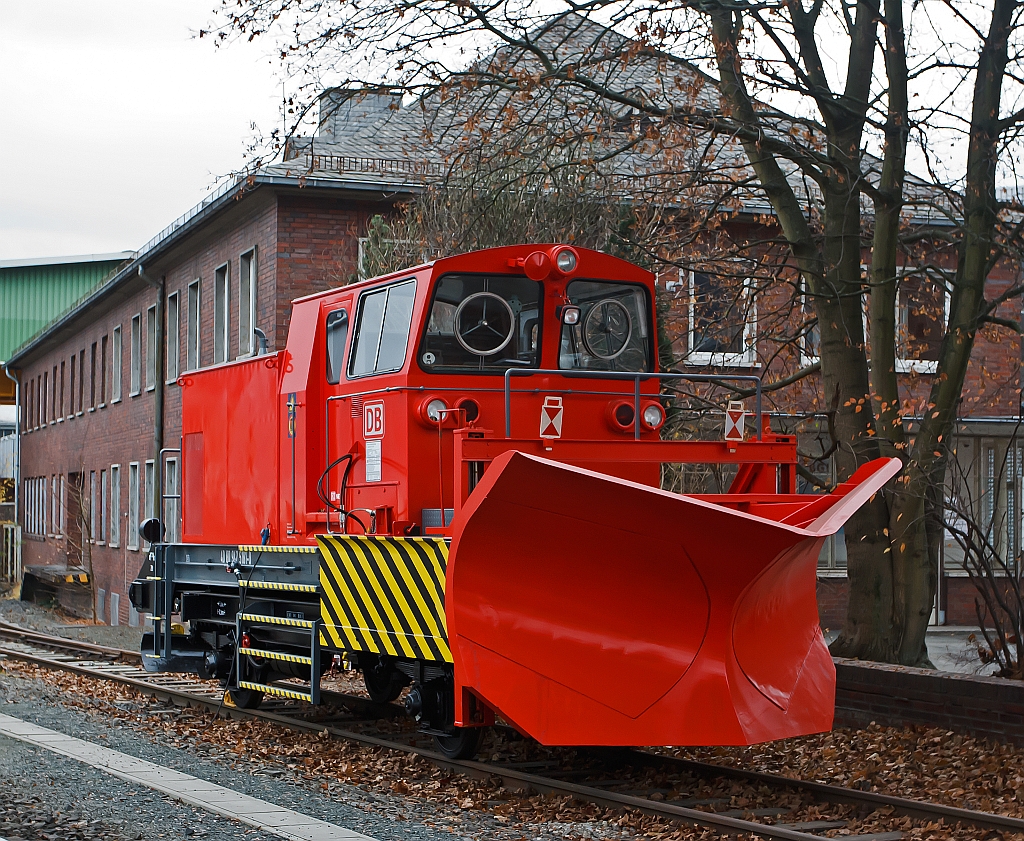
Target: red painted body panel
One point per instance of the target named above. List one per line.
(229, 429)
(581, 624)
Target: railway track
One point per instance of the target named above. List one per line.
(347, 716)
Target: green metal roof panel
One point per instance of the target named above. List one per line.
(33, 296)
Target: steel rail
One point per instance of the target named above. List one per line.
(515, 779)
(839, 794)
(6, 628)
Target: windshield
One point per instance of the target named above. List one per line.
(613, 331)
(481, 323)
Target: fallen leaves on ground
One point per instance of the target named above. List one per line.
(919, 763)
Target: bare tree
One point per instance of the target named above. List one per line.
(809, 112)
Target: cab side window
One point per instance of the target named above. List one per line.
(337, 334)
(382, 329)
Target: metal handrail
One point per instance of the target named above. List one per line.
(636, 377)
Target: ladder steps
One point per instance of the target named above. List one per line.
(281, 586)
(279, 691)
(276, 620)
(275, 655)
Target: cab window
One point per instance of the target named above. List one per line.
(337, 333)
(482, 323)
(613, 331)
(382, 329)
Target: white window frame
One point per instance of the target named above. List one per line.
(151, 348)
(193, 330)
(62, 508)
(807, 308)
(93, 505)
(171, 507)
(135, 383)
(361, 254)
(116, 365)
(114, 523)
(221, 313)
(921, 366)
(149, 493)
(133, 505)
(247, 279)
(101, 538)
(747, 358)
(172, 361)
(52, 524)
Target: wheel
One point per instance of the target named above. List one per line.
(462, 744)
(383, 682)
(244, 699)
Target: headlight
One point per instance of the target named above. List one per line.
(570, 315)
(654, 416)
(435, 410)
(566, 261)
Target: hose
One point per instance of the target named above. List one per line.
(321, 491)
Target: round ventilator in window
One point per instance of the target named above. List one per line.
(607, 329)
(484, 323)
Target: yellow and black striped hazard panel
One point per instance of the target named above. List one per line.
(384, 595)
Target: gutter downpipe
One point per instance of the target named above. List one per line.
(17, 439)
(158, 389)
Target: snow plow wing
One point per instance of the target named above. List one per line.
(587, 609)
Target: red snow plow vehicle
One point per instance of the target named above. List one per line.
(449, 478)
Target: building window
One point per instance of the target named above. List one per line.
(149, 491)
(246, 302)
(93, 506)
(810, 335)
(192, 355)
(102, 536)
(114, 526)
(722, 321)
(92, 376)
(46, 392)
(133, 505)
(135, 386)
(81, 381)
(116, 366)
(53, 397)
(221, 319)
(71, 391)
(172, 497)
(151, 348)
(62, 505)
(103, 371)
(922, 309)
(173, 344)
(54, 515)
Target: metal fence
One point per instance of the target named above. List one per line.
(10, 552)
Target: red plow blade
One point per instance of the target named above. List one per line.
(592, 610)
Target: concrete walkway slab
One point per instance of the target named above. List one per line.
(271, 818)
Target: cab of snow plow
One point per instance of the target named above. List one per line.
(357, 418)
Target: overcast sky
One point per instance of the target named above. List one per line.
(114, 120)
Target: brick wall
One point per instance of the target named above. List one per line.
(833, 594)
(317, 249)
(899, 696)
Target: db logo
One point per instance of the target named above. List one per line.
(373, 419)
